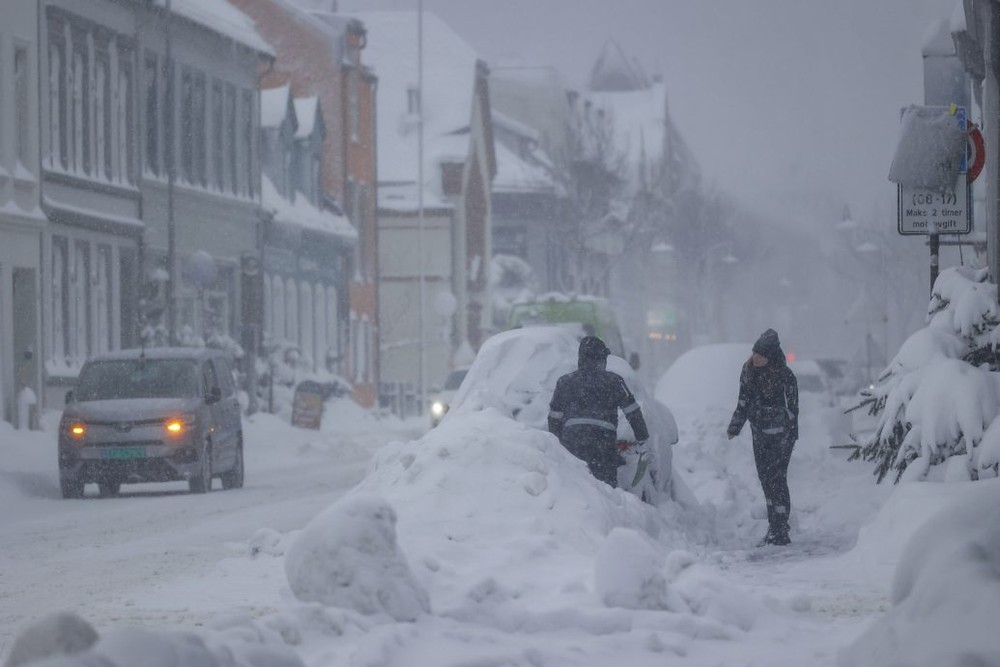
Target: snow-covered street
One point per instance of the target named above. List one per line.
(523, 557)
(156, 555)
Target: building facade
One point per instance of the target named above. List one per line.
(320, 55)
(22, 222)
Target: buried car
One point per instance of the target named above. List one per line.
(154, 415)
(516, 371)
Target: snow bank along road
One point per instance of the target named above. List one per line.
(99, 556)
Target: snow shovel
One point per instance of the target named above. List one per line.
(640, 469)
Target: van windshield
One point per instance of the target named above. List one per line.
(137, 378)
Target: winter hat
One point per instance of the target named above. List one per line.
(769, 346)
(592, 347)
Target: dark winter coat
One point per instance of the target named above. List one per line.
(591, 397)
(769, 395)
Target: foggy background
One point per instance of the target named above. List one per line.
(792, 109)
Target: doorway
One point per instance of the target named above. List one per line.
(25, 328)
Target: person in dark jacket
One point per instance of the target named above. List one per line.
(769, 400)
(583, 412)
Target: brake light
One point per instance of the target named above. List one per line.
(175, 426)
(78, 430)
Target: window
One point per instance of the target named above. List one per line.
(152, 114)
(278, 309)
(291, 313)
(218, 152)
(319, 322)
(21, 104)
(187, 129)
(103, 146)
(248, 141)
(354, 113)
(413, 100)
(332, 323)
(232, 172)
(57, 97)
(225, 375)
(103, 298)
(60, 300)
(210, 381)
(200, 145)
(124, 118)
(306, 321)
(80, 90)
(80, 304)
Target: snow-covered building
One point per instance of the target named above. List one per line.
(89, 67)
(439, 230)
(308, 242)
(200, 168)
(528, 203)
(21, 218)
(319, 55)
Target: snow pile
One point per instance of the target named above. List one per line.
(348, 557)
(66, 640)
(939, 398)
(946, 591)
(515, 373)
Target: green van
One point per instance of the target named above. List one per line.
(585, 315)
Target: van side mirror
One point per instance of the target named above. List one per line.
(214, 395)
(70, 397)
(633, 360)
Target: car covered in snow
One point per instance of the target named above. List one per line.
(157, 415)
(516, 371)
(440, 399)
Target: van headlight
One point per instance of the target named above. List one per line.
(179, 426)
(438, 408)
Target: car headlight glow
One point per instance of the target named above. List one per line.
(438, 408)
(77, 430)
(176, 426)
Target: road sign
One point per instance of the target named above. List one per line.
(930, 212)
(923, 211)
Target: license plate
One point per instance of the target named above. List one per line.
(123, 453)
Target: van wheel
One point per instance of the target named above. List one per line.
(234, 478)
(71, 488)
(202, 482)
(109, 489)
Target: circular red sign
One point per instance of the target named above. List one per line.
(978, 153)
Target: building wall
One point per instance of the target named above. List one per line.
(323, 56)
(21, 219)
(89, 156)
(216, 191)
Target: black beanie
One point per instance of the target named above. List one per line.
(769, 346)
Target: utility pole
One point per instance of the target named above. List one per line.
(422, 301)
(168, 154)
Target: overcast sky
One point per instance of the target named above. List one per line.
(784, 102)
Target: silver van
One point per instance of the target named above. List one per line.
(154, 415)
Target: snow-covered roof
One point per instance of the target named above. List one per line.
(303, 214)
(305, 111)
(517, 175)
(221, 17)
(514, 126)
(448, 89)
(274, 106)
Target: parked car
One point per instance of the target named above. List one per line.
(440, 400)
(154, 415)
(516, 372)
